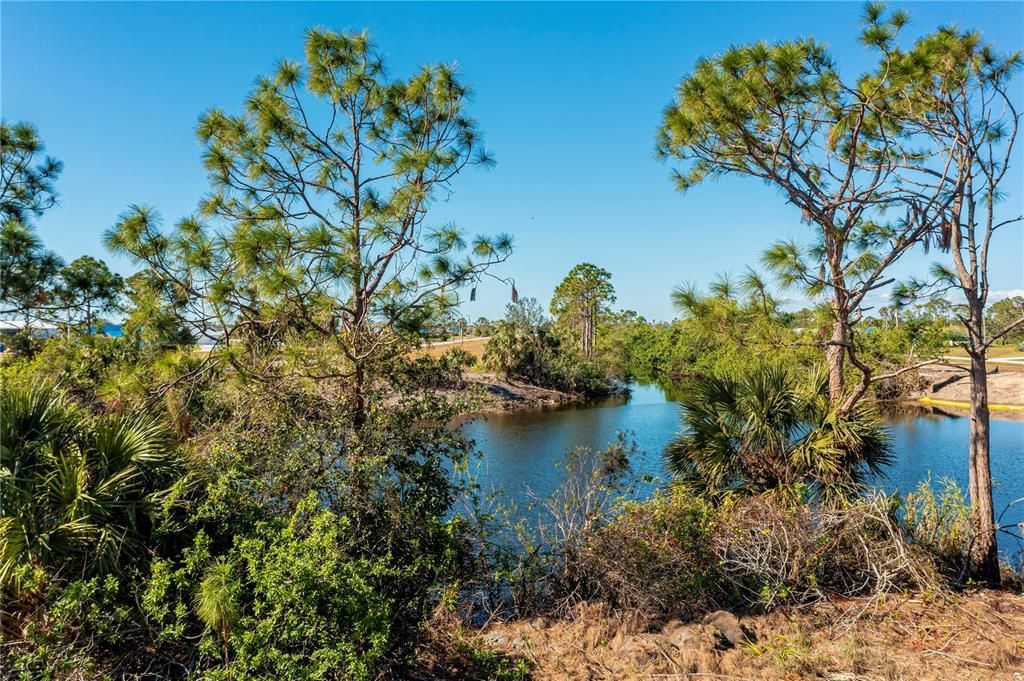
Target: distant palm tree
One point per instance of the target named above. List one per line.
(76, 494)
(767, 432)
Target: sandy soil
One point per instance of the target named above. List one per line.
(975, 637)
(950, 384)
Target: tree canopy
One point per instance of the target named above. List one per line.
(88, 288)
(579, 301)
(784, 114)
(26, 175)
(28, 270)
(320, 195)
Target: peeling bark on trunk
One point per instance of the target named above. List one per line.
(835, 358)
(984, 552)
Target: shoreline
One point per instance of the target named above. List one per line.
(501, 395)
(941, 388)
(950, 388)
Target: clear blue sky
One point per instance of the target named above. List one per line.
(568, 97)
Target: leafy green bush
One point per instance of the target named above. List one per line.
(78, 630)
(339, 539)
(24, 345)
(311, 608)
(80, 364)
(332, 544)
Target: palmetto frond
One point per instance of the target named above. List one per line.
(769, 431)
(75, 493)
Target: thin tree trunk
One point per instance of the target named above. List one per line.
(984, 553)
(358, 333)
(359, 396)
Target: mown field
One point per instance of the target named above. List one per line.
(473, 345)
(996, 352)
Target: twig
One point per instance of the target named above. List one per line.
(988, 665)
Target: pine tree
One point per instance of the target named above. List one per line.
(958, 105)
(321, 191)
(580, 301)
(782, 113)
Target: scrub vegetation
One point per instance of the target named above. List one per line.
(261, 476)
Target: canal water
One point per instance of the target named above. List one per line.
(522, 450)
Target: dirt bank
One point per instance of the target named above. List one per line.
(499, 394)
(949, 384)
(973, 637)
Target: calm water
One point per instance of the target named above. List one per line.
(522, 450)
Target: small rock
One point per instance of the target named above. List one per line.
(681, 637)
(728, 627)
(496, 638)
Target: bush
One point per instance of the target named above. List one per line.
(313, 608)
(332, 544)
(772, 431)
(940, 522)
(80, 495)
(72, 632)
(680, 553)
(677, 554)
(25, 345)
(341, 539)
(769, 553)
(655, 557)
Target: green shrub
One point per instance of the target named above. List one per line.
(78, 495)
(940, 522)
(772, 431)
(340, 539)
(312, 608)
(76, 631)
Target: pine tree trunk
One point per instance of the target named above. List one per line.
(835, 355)
(984, 553)
(359, 396)
(358, 333)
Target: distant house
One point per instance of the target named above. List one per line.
(10, 328)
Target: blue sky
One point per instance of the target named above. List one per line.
(568, 97)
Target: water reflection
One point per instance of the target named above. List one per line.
(523, 449)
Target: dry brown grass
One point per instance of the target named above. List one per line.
(966, 638)
(472, 345)
(994, 352)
